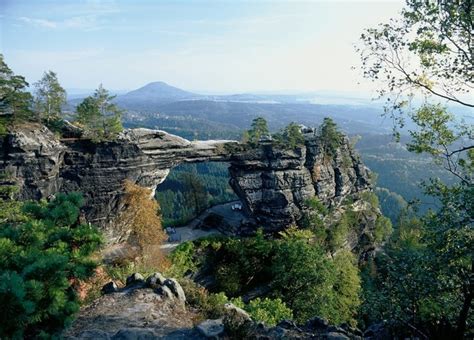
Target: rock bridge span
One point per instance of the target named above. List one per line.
(273, 182)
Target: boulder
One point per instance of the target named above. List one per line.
(135, 278)
(176, 289)
(165, 292)
(211, 328)
(155, 280)
(109, 288)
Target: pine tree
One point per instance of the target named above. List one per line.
(258, 129)
(15, 101)
(43, 251)
(99, 116)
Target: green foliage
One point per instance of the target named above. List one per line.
(424, 276)
(330, 137)
(427, 51)
(315, 204)
(15, 100)
(291, 136)
(182, 259)
(268, 311)
(347, 288)
(310, 283)
(211, 305)
(301, 277)
(313, 219)
(370, 197)
(338, 232)
(176, 201)
(383, 229)
(258, 129)
(99, 116)
(41, 257)
(245, 260)
(196, 195)
(49, 98)
(436, 136)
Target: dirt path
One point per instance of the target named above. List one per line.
(190, 232)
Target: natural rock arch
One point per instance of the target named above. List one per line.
(272, 182)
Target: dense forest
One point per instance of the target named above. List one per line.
(208, 181)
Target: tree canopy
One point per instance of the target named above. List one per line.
(15, 100)
(428, 50)
(258, 129)
(426, 276)
(99, 116)
(330, 136)
(49, 98)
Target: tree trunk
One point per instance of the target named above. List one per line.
(461, 328)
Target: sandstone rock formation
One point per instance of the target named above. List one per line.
(43, 165)
(275, 183)
(272, 181)
(141, 311)
(136, 311)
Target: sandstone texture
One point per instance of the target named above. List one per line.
(136, 311)
(273, 182)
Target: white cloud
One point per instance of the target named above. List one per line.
(39, 22)
(82, 22)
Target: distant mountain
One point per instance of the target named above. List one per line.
(156, 92)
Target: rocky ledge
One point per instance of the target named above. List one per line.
(156, 308)
(273, 182)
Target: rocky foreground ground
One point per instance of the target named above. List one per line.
(156, 308)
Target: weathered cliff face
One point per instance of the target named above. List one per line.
(273, 183)
(44, 165)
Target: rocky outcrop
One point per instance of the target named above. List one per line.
(273, 182)
(141, 310)
(43, 165)
(137, 311)
(316, 328)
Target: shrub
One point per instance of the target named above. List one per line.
(268, 311)
(310, 283)
(40, 261)
(140, 214)
(337, 234)
(383, 229)
(182, 259)
(370, 197)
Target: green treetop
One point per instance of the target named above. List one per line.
(100, 117)
(290, 137)
(15, 101)
(44, 251)
(258, 129)
(330, 136)
(428, 51)
(49, 97)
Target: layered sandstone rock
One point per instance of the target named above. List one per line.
(273, 182)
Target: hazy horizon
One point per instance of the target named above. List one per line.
(205, 47)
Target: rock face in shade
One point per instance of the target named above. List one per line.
(273, 183)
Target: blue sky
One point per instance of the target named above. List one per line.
(206, 46)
